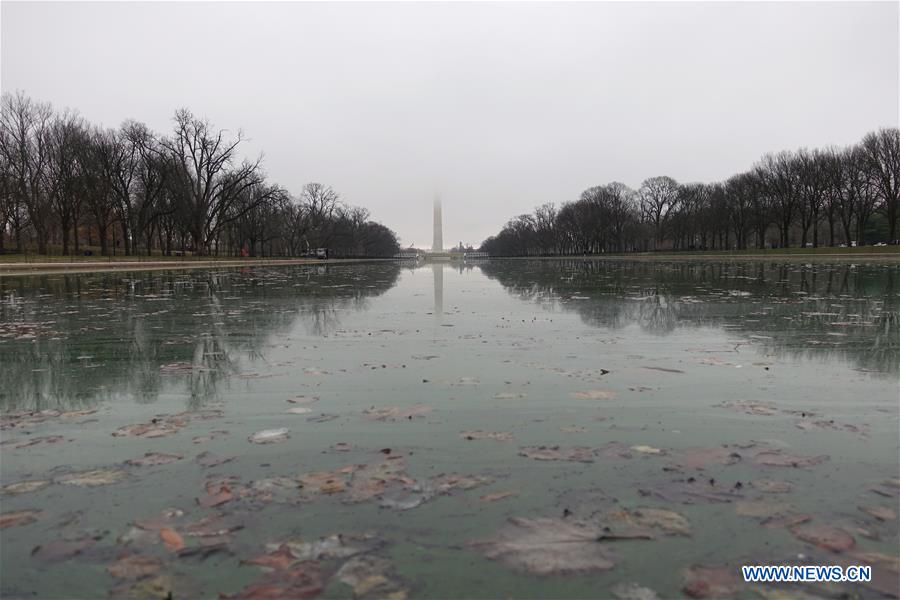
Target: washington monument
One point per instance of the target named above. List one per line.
(438, 244)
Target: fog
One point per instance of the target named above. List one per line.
(497, 107)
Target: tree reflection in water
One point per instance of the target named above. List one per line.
(818, 311)
(69, 341)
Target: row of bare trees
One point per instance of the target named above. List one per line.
(834, 196)
(130, 191)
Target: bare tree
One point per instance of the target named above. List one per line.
(25, 125)
(211, 181)
(659, 196)
(881, 150)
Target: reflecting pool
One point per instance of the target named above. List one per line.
(535, 429)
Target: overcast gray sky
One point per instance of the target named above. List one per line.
(498, 107)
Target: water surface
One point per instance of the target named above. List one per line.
(462, 428)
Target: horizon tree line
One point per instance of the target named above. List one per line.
(65, 182)
(807, 198)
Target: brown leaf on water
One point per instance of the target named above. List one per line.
(772, 486)
(208, 459)
(889, 488)
(323, 482)
(60, 550)
(171, 539)
(785, 521)
(218, 491)
(777, 458)
(212, 526)
(153, 459)
(548, 546)
(594, 395)
(279, 559)
(644, 449)
(149, 430)
(134, 566)
(882, 513)
(824, 536)
(445, 483)
(24, 487)
(335, 546)
(393, 413)
(159, 587)
(573, 429)
(371, 576)
(303, 400)
(18, 517)
(213, 435)
(575, 453)
(93, 478)
(25, 443)
(691, 491)
(300, 582)
(885, 571)
(633, 591)
(478, 434)
(762, 508)
(668, 521)
(323, 418)
(710, 582)
(494, 497)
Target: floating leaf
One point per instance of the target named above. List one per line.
(299, 410)
(323, 482)
(647, 450)
(208, 459)
(20, 443)
(700, 458)
(486, 435)
(509, 396)
(18, 517)
(573, 429)
(776, 458)
(497, 496)
(300, 582)
(323, 418)
(23, 487)
(594, 395)
(882, 513)
(710, 582)
(761, 508)
(60, 550)
(217, 492)
(668, 521)
(171, 539)
(391, 413)
(152, 459)
(303, 399)
(633, 591)
(772, 486)
(134, 566)
(548, 547)
(93, 478)
(824, 536)
(785, 520)
(690, 491)
(576, 453)
(446, 483)
(281, 558)
(331, 546)
(269, 436)
(370, 576)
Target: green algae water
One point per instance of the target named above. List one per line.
(533, 429)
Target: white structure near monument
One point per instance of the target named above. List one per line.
(438, 242)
